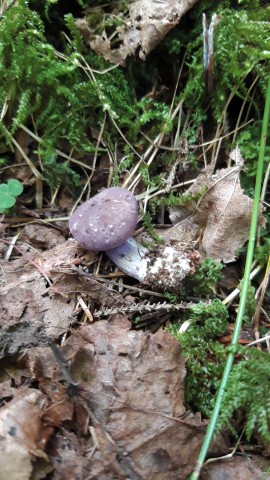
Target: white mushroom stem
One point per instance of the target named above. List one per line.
(130, 257)
(163, 267)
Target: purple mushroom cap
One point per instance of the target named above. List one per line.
(106, 220)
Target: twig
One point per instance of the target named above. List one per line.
(148, 307)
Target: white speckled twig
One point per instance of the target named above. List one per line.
(143, 308)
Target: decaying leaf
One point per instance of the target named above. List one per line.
(42, 236)
(129, 388)
(221, 216)
(135, 384)
(144, 26)
(22, 434)
(235, 468)
(32, 310)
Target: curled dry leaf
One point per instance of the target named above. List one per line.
(222, 215)
(144, 25)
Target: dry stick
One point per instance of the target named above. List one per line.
(243, 106)
(11, 244)
(261, 294)
(55, 193)
(155, 145)
(6, 8)
(234, 294)
(114, 283)
(262, 289)
(220, 127)
(177, 82)
(87, 68)
(5, 106)
(124, 138)
(85, 308)
(14, 165)
(265, 182)
(10, 248)
(113, 164)
(38, 154)
(148, 152)
(28, 161)
(260, 340)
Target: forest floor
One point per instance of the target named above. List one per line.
(93, 382)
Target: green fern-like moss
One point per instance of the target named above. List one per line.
(66, 102)
(241, 46)
(248, 391)
(205, 356)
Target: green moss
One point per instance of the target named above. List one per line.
(203, 282)
(248, 391)
(205, 356)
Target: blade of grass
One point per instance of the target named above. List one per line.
(243, 294)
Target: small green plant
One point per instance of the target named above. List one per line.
(262, 252)
(172, 199)
(8, 193)
(148, 225)
(205, 278)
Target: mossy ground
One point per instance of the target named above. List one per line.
(93, 125)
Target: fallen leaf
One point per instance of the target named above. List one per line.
(144, 25)
(235, 468)
(222, 215)
(66, 452)
(135, 386)
(22, 434)
(42, 236)
(33, 312)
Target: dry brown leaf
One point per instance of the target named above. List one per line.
(22, 434)
(235, 468)
(42, 236)
(134, 382)
(144, 26)
(222, 215)
(68, 457)
(32, 312)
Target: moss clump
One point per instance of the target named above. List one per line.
(205, 356)
(248, 391)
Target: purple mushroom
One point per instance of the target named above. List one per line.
(107, 221)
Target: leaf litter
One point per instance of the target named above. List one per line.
(108, 403)
(221, 216)
(120, 390)
(144, 25)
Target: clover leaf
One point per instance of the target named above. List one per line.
(8, 193)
